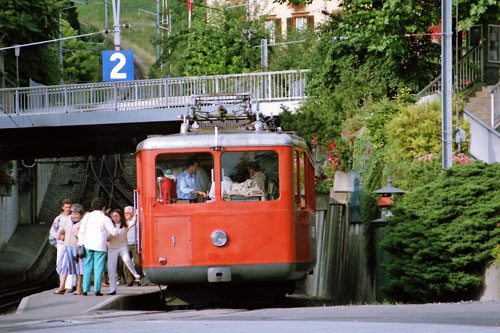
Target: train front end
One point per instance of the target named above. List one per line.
(246, 228)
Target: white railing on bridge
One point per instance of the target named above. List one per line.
(150, 94)
(495, 105)
(470, 71)
(484, 140)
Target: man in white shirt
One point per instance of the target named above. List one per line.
(94, 231)
(58, 221)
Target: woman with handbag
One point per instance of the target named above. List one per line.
(118, 246)
(70, 263)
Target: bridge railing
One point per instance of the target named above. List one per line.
(470, 70)
(150, 94)
(495, 105)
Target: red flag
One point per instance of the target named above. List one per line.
(190, 5)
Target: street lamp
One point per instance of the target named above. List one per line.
(381, 255)
(17, 50)
(385, 201)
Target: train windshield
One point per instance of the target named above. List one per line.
(249, 176)
(183, 177)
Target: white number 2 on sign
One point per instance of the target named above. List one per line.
(115, 75)
(118, 65)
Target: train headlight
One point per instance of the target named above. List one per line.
(162, 261)
(219, 238)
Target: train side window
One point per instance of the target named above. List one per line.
(302, 180)
(299, 173)
(178, 182)
(250, 176)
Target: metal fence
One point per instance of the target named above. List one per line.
(468, 72)
(495, 105)
(484, 140)
(150, 94)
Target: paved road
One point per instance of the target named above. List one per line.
(457, 317)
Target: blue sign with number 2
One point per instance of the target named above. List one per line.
(118, 65)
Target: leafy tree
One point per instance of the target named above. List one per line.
(81, 63)
(295, 55)
(378, 44)
(22, 22)
(223, 44)
(442, 235)
(332, 113)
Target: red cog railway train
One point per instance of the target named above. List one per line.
(240, 232)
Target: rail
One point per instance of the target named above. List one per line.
(150, 94)
(470, 71)
(484, 140)
(495, 105)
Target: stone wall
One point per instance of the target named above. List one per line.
(65, 176)
(9, 214)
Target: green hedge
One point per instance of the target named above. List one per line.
(442, 235)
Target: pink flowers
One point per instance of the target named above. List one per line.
(460, 159)
(456, 159)
(315, 141)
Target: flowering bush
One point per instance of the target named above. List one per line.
(456, 159)
(338, 157)
(6, 178)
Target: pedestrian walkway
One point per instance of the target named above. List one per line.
(49, 306)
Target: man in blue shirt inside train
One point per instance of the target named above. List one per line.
(186, 182)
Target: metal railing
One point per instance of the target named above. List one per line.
(150, 94)
(470, 71)
(484, 140)
(495, 105)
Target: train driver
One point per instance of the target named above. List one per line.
(186, 182)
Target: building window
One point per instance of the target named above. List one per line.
(493, 43)
(301, 23)
(475, 36)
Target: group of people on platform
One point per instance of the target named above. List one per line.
(104, 236)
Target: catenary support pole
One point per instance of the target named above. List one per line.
(447, 83)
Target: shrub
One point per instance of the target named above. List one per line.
(416, 131)
(442, 235)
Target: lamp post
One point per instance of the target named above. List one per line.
(382, 256)
(17, 50)
(385, 200)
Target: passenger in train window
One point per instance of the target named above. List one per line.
(258, 176)
(118, 246)
(69, 263)
(225, 187)
(186, 182)
(165, 186)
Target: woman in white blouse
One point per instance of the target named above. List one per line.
(118, 245)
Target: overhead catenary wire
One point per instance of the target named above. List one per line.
(56, 40)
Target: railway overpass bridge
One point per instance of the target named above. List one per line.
(99, 118)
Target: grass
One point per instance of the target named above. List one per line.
(141, 38)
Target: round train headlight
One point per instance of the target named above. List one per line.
(219, 238)
(162, 261)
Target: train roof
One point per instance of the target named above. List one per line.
(206, 139)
